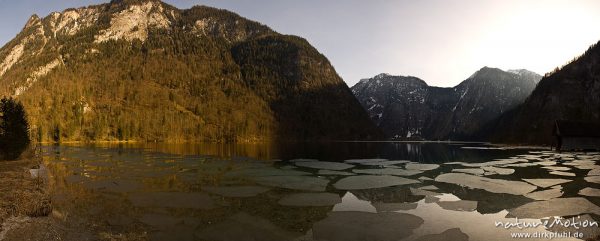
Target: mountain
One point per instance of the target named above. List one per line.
(569, 93)
(405, 107)
(144, 70)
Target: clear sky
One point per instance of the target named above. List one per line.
(440, 41)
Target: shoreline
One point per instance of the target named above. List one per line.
(24, 199)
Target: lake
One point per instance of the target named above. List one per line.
(325, 191)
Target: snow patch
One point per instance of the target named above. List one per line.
(461, 97)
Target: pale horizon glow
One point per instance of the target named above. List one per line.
(440, 41)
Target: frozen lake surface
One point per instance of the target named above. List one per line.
(326, 191)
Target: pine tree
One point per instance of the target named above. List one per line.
(14, 129)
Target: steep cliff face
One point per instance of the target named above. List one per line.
(570, 93)
(144, 70)
(407, 108)
(396, 104)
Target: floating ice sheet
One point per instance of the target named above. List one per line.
(555, 168)
(304, 183)
(490, 163)
(388, 171)
(526, 164)
(545, 182)
(488, 184)
(591, 192)
(310, 199)
(498, 170)
(334, 173)
(425, 179)
(421, 167)
(336, 166)
(555, 207)
(429, 188)
(545, 194)
(371, 181)
(594, 172)
(365, 161)
(461, 205)
(474, 171)
(384, 163)
(565, 174)
(303, 160)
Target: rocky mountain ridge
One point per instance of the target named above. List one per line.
(405, 107)
(145, 70)
(570, 93)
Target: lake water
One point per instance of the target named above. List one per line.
(325, 191)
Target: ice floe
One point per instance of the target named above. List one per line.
(425, 179)
(388, 171)
(429, 188)
(334, 173)
(384, 163)
(555, 168)
(526, 164)
(560, 173)
(336, 166)
(496, 162)
(460, 205)
(474, 171)
(555, 207)
(304, 183)
(594, 172)
(421, 167)
(365, 161)
(303, 160)
(590, 192)
(310, 199)
(488, 184)
(545, 194)
(371, 181)
(498, 170)
(546, 182)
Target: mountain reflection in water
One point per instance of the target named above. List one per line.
(320, 191)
